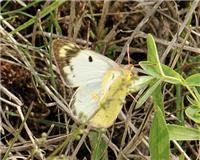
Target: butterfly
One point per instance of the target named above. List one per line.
(102, 84)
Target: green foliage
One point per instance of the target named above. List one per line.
(193, 112)
(161, 133)
(99, 146)
(193, 80)
(181, 133)
(166, 74)
(159, 137)
(42, 13)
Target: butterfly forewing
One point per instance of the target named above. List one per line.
(80, 66)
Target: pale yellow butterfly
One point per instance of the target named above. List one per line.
(102, 83)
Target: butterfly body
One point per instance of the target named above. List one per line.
(102, 83)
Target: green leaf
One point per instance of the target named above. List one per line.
(140, 83)
(193, 112)
(193, 80)
(181, 133)
(171, 76)
(158, 98)
(152, 55)
(192, 101)
(150, 68)
(98, 145)
(147, 94)
(159, 137)
(197, 94)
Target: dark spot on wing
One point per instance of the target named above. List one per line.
(71, 68)
(74, 76)
(90, 59)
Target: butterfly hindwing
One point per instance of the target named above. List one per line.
(86, 100)
(100, 103)
(112, 99)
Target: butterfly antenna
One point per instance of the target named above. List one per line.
(128, 53)
(88, 33)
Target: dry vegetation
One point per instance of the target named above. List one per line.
(35, 118)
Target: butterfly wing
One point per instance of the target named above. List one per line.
(112, 99)
(100, 102)
(78, 66)
(87, 97)
(86, 100)
(102, 83)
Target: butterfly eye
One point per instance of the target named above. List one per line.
(90, 59)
